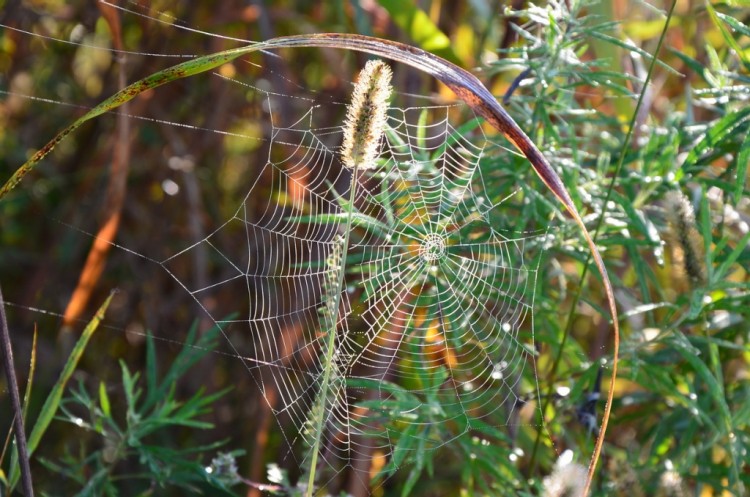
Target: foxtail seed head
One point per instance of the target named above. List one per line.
(366, 116)
(689, 243)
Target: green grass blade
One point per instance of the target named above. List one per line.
(731, 258)
(52, 403)
(189, 68)
(723, 128)
(30, 382)
(632, 48)
(716, 18)
(716, 391)
(104, 400)
(743, 158)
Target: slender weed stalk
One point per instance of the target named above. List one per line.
(18, 411)
(363, 130)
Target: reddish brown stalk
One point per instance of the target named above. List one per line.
(97, 257)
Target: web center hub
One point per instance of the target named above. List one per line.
(432, 248)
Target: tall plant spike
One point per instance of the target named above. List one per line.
(463, 83)
(363, 131)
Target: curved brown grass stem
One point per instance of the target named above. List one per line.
(569, 324)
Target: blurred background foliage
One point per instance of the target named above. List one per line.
(569, 73)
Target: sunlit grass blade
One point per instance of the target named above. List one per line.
(723, 128)
(717, 18)
(743, 159)
(30, 381)
(52, 403)
(716, 391)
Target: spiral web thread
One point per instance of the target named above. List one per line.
(435, 296)
(438, 293)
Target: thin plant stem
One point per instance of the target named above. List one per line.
(331, 343)
(15, 399)
(597, 230)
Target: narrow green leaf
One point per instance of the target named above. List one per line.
(30, 382)
(193, 351)
(734, 24)
(414, 474)
(405, 445)
(724, 344)
(358, 219)
(724, 127)
(694, 65)
(743, 158)
(52, 403)
(104, 399)
(481, 426)
(741, 414)
(131, 391)
(725, 32)
(723, 268)
(633, 48)
(152, 373)
(715, 389)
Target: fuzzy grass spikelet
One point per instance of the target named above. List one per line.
(670, 484)
(689, 244)
(567, 479)
(366, 116)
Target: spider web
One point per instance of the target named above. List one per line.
(436, 294)
(435, 326)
